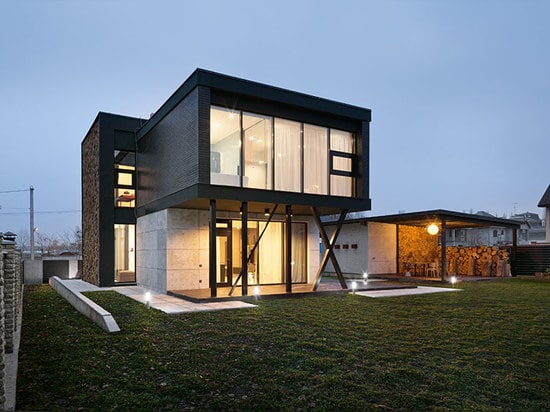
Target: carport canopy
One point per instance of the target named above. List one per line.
(446, 219)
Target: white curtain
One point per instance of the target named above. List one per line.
(271, 253)
(299, 252)
(287, 156)
(315, 160)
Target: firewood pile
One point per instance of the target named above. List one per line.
(478, 261)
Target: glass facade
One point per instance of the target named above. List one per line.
(258, 167)
(125, 257)
(225, 147)
(280, 154)
(266, 265)
(125, 172)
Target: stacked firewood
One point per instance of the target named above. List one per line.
(478, 261)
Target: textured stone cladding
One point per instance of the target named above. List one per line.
(90, 205)
(10, 305)
(9, 296)
(2, 332)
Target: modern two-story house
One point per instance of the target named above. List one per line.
(222, 189)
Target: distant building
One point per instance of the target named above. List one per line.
(532, 228)
(545, 202)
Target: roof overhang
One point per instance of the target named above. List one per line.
(453, 220)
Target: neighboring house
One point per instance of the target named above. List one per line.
(545, 202)
(532, 228)
(225, 165)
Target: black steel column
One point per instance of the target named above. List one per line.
(443, 249)
(397, 249)
(244, 247)
(212, 258)
(514, 251)
(288, 249)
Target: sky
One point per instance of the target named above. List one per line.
(459, 90)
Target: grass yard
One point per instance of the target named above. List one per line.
(485, 348)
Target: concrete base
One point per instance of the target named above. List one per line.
(32, 272)
(85, 306)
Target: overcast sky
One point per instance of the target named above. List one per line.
(459, 90)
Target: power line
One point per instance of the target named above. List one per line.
(14, 191)
(46, 212)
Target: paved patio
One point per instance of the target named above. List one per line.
(160, 301)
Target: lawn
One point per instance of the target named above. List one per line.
(484, 348)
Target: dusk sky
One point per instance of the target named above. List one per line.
(459, 90)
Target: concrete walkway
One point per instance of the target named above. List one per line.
(420, 290)
(165, 303)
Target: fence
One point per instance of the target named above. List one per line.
(10, 305)
(532, 258)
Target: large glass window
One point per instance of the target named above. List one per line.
(225, 147)
(279, 154)
(125, 257)
(125, 173)
(299, 253)
(258, 167)
(315, 160)
(266, 266)
(288, 155)
(342, 148)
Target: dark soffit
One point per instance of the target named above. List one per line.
(453, 220)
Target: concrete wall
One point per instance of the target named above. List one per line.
(360, 248)
(172, 248)
(382, 248)
(351, 248)
(32, 270)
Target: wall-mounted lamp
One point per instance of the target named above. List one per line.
(433, 229)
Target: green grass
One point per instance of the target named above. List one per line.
(485, 348)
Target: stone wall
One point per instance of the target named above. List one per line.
(10, 305)
(90, 205)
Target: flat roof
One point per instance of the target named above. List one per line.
(237, 86)
(453, 220)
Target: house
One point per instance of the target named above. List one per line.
(532, 228)
(225, 165)
(545, 202)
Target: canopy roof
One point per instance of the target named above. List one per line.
(453, 220)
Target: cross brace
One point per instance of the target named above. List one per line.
(329, 246)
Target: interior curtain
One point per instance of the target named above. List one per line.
(315, 160)
(299, 252)
(287, 155)
(271, 253)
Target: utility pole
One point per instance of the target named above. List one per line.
(31, 190)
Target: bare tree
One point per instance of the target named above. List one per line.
(23, 240)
